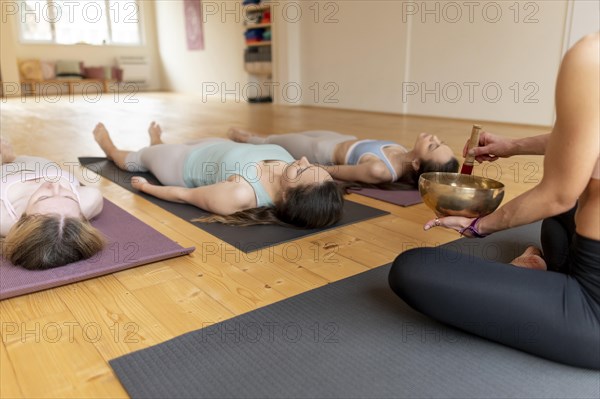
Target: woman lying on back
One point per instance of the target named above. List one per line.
(241, 184)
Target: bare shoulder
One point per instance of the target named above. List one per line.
(586, 52)
(89, 193)
(378, 170)
(91, 201)
(223, 198)
(242, 193)
(577, 89)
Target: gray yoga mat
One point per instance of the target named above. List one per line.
(396, 197)
(246, 239)
(130, 242)
(351, 339)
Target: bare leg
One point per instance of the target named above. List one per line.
(155, 133)
(112, 152)
(240, 135)
(530, 259)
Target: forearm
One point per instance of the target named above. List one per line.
(536, 204)
(535, 145)
(167, 193)
(363, 173)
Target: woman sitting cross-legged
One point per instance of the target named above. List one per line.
(549, 305)
(383, 163)
(45, 212)
(241, 184)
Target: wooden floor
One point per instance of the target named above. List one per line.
(57, 343)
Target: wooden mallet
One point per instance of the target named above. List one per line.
(467, 167)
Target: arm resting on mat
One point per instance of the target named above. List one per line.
(222, 198)
(368, 172)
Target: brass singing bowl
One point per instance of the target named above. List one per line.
(455, 194)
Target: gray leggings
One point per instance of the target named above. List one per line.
(317, 146)
(165, 161)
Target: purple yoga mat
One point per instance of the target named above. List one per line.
(130, 242)
(396, 197)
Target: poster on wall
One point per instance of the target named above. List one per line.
(193, 24)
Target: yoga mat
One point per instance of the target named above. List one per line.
(396, 197)
(246, 239)
(351, 339)
(130, 242)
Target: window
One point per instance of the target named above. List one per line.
(80, 21)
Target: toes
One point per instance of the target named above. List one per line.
(531, 250)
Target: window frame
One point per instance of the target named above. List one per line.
(141, 35)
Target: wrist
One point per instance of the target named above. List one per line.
(516, 147)
(473, 229)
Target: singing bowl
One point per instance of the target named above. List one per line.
(455, 194)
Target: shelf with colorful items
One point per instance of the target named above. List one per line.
(258, 23)
(258, 37)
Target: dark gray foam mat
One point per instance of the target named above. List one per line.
(246, 239)
(351, 339)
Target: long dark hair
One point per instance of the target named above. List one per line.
(412, 177)
(307, 206)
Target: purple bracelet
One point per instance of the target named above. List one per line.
(473, 229)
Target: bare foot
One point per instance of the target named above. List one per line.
(530, 259)
(155, 133)
(239, 135)
(103, 139)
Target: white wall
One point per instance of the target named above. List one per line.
(475, 63)
(354, 54)
(212, 71)
(12, 49)
(584, 18)
(511, 64)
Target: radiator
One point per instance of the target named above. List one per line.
(136, 70)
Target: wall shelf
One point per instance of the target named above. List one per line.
(257, 44)
(256, 26)
(257, 7)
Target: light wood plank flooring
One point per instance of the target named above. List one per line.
(57, 343)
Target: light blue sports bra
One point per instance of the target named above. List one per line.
(216, 162)
(372, 147)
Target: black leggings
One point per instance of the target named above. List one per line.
(553, 314)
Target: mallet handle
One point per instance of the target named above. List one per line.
(467, 167)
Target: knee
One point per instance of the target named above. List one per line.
(410, 270)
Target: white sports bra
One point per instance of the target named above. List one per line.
(26, 175)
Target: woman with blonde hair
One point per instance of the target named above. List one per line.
(45, 213)
(241, 184)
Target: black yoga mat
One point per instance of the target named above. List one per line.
(246, 239)
(350, 339)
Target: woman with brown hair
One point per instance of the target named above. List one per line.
(45, 213)
(385, 164)
(241, 184)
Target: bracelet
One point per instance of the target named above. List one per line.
(472, 228)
